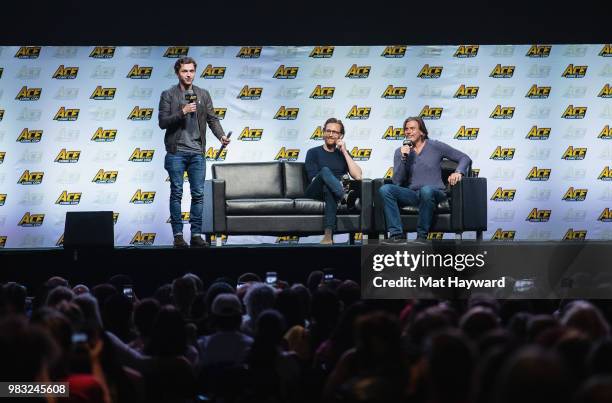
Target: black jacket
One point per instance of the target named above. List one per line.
(171, 116)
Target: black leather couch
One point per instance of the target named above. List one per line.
(267, 198)
(465, 209)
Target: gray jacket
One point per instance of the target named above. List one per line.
(171, 116)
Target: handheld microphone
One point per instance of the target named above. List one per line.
(223, 146)
(190, 96)
(408, 143)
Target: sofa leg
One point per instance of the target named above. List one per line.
(351, 238)
(479, 235)
(372, 235)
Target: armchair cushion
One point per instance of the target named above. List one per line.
(441, 208)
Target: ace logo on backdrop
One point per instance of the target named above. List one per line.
(30, 136)
(323, 92)
(465, 51)
(103, 52)
(66, 73)
(28, 94)
(249, 52)
(394, 52)
(28, 52)
(322, 52)
(211, 72)
(539, 51)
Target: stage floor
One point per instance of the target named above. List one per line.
(153, 266)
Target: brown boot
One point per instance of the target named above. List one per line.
(179, 241)
(328, 237)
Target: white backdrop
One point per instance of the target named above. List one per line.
(560, 94)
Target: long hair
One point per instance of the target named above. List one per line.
(420, 122)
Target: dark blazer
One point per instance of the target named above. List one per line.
(171, 116)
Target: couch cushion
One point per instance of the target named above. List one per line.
(309, 206)
(441, 208)
(296, 179)
(316, 207)
(259, 207)
(250, 180)
(263, 207)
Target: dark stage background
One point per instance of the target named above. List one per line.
(291, 22)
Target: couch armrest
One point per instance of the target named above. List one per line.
(378, 214)
(214, 216)
(366, 205)
(469, 205)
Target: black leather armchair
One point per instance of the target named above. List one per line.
(465, 209)
(267, 198)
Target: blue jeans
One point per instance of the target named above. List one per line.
(195, 165)
(325, 186)
(425, 199)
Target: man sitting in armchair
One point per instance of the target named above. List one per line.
(417, 179)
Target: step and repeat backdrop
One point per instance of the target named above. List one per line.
(79, 129)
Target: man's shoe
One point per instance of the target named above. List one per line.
(199, 242)
(421, 240)
(351, 198)
(179, 242)
(398, 239)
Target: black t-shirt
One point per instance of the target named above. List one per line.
(317, 158)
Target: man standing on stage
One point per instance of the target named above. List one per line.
(325, 166)
(417, 179)
(184, 112)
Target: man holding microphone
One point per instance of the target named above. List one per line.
(184, 112)
(417, 179)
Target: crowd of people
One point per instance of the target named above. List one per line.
(245, 340)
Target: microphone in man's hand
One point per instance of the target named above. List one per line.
(190, 96)
(409, 144)
(223, 146)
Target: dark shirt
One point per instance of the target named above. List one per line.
(189, 140)
(424, 169)
(317, 158)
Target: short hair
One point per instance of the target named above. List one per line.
(420, 122)
(334, 120)
(184, 60)
(259, 298)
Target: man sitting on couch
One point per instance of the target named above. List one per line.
(325, 166)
